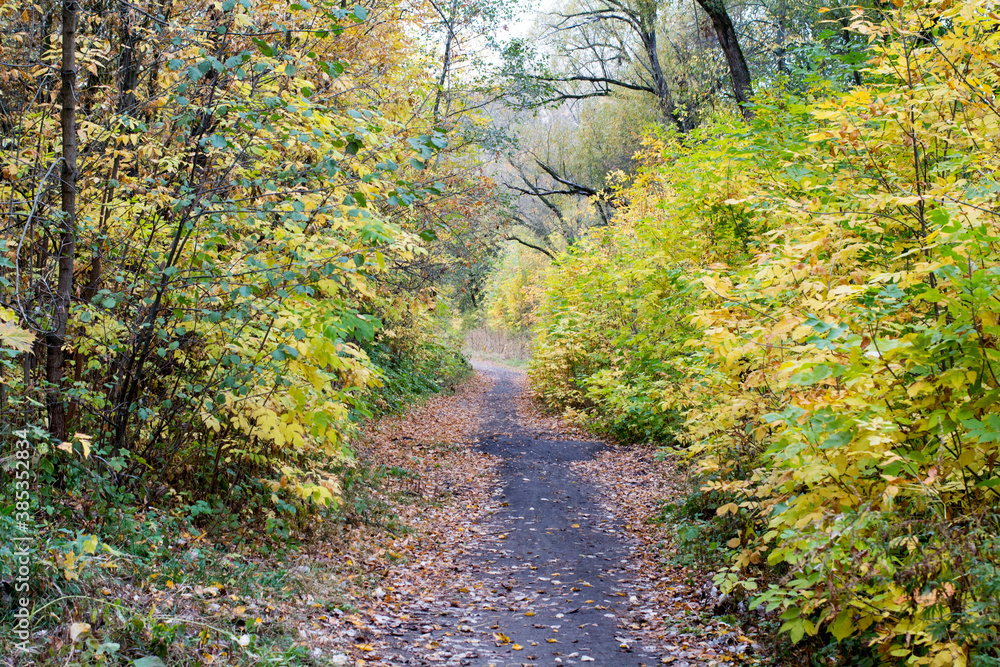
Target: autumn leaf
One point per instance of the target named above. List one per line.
(15, 338)
(77, 630)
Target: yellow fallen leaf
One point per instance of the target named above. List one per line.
(529, 613)
(84, 443)
(365, 647)
(576, 525)
(78, 629)
(517, 647)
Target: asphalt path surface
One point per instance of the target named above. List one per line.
(551, 566)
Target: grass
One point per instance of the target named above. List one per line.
(165, 594)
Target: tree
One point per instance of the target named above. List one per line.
(203, 233)
(557, 175)
(612, 45)
(55, 336)
(465, 33)
(607, 46)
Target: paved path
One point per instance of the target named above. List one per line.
(550, 566)
(562, 551)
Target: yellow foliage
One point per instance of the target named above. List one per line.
(243, 213)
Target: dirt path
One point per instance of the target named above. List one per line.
(543, 573)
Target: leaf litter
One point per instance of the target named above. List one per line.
(675, 605)
(344, 594)
(414, 596)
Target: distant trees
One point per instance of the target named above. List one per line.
(674, 65)
(607, 46)
(647, 63)
(466, 33)
(557, 174)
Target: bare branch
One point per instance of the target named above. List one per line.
(540, 249)
(577, 187)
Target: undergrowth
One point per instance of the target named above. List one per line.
(127, 574)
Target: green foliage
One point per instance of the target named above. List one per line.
(612, 318)
(429, 367)
(512, 289)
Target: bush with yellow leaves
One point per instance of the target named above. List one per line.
(837, 379)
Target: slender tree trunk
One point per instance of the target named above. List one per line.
(780, 51)
(444, 75)
(129, 63)
(665, 98)
(56, 337)
(449, 24)
(845, 35)
(738, 70)
(646, 20)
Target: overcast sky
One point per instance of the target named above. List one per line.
(529, 15)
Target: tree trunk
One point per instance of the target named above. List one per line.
(444, 75)
(780, 51)
(56, 337)
(449, 25)
(738, 70)
(645, 19)
(663, 94)
(845, 35)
